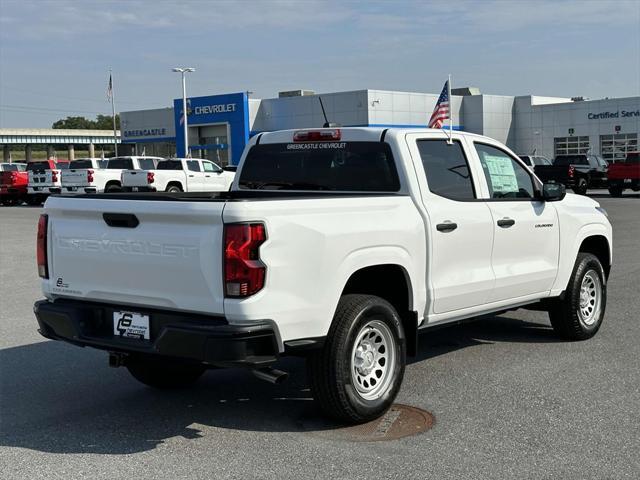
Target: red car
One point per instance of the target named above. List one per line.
(625, 174)
(13, 183)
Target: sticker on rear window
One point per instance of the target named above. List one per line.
(316, 146)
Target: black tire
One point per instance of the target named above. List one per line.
(615, 191)
(34, 200)
(566, 314)
(10, 202)
(581, 187)
(330, 369)
(163, 373)
(112, 188)
(173, 189)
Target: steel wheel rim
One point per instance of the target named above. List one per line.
(373, 360)
(590, 301)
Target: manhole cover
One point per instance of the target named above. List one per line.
(399, 421)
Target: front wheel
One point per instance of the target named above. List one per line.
(615, 191)
(579, 314)
(581, 186)
(163, 373)
(356, 376)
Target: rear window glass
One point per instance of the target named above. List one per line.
(120, 163)
(62, 165)
(541, 161)
(169, 165)
(31, 166)
(633, 157)
(147, 163)
(339, 166)
(10, 168)
(78, 164)
(570, 160)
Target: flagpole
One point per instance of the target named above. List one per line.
(450, 110)
(113, 114)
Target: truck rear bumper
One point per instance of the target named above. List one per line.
(201, 338)
(139, 189)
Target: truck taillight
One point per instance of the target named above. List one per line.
(150, 177)
(89, 176)
(41, 246)
(243, 271)
(317, 135)
(54, 176)
(572, 170)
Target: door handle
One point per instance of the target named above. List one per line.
(207, 176)
(446, 227)
(191, 176)
(506, 222)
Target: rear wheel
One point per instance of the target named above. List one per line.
(163, 373)
(173, 189)
(112, 187)
(615, 191)
(10, 202)
(579, 314)
(34, 200)
(356, 376)
(581, 186)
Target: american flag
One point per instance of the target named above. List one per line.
(110, 89)
(441, 112)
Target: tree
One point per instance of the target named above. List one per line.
(102, 122)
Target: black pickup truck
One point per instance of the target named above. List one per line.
(577, 172)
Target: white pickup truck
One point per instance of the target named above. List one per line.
(179, 175)
(110, 179)
(85, 175)
(336, 244)
(45, 178)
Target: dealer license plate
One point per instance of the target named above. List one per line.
(131, 325)
(134, 189)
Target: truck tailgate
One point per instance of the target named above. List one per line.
(171, 259)
(74, 178)
(134, 178)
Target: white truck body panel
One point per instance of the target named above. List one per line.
(314, 245)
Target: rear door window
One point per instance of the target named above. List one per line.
(193, 165)
(120, 164)
(170, 165)
(447, 169)
(336, 166)
(81, 164)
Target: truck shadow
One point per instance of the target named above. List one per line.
(57, 398)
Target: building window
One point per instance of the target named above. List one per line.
(615, 147)
(570, 145)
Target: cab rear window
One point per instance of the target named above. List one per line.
(337, 166)
(33, 166)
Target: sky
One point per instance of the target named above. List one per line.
(55, 56)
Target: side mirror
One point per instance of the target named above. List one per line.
(552, 192)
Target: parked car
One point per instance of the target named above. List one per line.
(13, 183)
(577, 172)
(178, 175)
(45, 178)
(532, 161)
(623, 175)
(86, 175)
(112, 179)
(339, 245)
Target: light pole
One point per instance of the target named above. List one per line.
(184, 70)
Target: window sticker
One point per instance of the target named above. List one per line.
(503, 176)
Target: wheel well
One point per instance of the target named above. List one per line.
(174, 184)
(392, 283)
(598, 246)
(113, 182)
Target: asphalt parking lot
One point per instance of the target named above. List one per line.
(509, 400)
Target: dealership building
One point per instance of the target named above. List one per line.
(221, 125)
